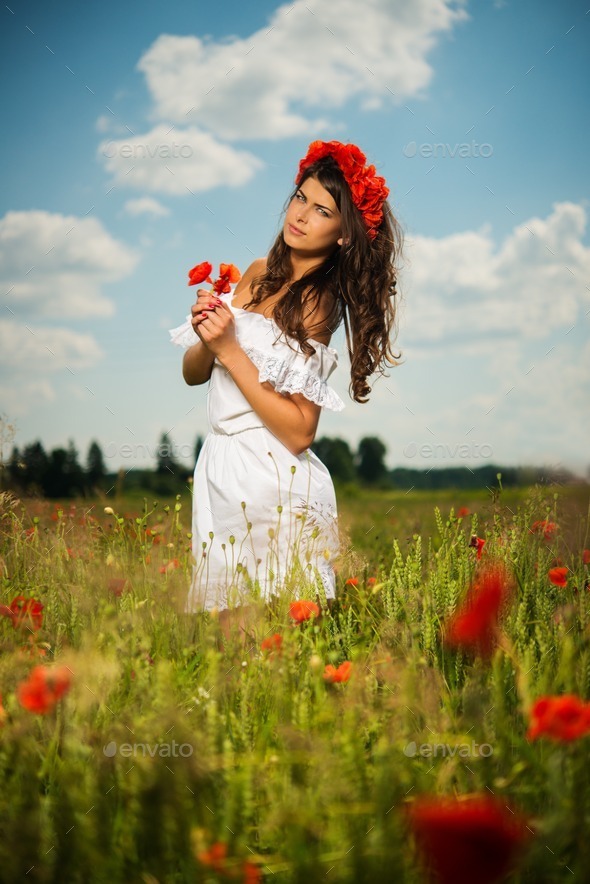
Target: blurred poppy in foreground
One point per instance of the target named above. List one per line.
(303, 610)
(475, 839)
(338, 675)
(272, 643)
(475, 624)
(563, 718)
(44, 687)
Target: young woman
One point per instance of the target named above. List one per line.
(264, 507)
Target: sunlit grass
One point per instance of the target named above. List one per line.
(175, 756)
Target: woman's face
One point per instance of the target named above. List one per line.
(312, 222)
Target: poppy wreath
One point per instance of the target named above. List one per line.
(368, 189)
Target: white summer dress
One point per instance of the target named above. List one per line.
(264, 520)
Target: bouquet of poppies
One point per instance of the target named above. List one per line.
(228, 274)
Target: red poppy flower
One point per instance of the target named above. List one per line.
(117, 585)
(26, 613)
(478, 543)
(214, 857)
(228, 274)
(200, 273)
(467, 840)
(303, 610)
(272, 642)
(544, 527)
(474, 624)
(252, 874)
(563, 718)
(352, 581)
(463, 511)
(371, 581)
(44, 687)
(586, 556)
(558, 576)
(340, 675)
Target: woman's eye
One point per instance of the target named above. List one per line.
(299, 196)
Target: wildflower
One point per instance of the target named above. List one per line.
(586, 556)
(475, 623)
(215, 856)
(109, 511)
(562, 718)
(462, 840)
(170, 566)
(371, 581)
(478, 543)
(228, 273)
(463, 511)
(252, 874)
(542, 526)
(339, 675)
(24, 612)
(117, 585)
(352, 581)
(558, 576)
(272, 643)
(303, 610)
(44, 687)
(200, 273)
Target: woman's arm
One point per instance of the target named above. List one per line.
(197, 364)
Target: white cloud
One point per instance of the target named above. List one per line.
(146, 205)
(19, 400)
(52, 264)
(281, 80)
(460, 288)
(174, 161)
(31, 349)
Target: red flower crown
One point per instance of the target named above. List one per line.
(368, 190)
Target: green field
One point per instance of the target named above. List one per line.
(147, 749)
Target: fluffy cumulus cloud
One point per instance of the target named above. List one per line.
(146, 205)
(284, 79)
(30, 354)
(281, 81)
(462, 287)
(56, 265)
(176, 161)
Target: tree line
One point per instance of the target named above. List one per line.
(59, 473)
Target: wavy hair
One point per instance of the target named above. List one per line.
(356, 284)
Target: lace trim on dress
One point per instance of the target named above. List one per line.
(184, 335)
(293, 380)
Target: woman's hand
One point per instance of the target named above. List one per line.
(206, 300)
(213, 321)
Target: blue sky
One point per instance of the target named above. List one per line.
(141, 139)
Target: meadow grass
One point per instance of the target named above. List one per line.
(176, 756)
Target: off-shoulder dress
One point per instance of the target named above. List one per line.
(264, 521)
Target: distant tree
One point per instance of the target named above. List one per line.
(75, 478)
(371, 460)
(165, 461)
(337, 457)
(35, 463)
(95, 468)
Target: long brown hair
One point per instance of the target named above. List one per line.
(358, 282)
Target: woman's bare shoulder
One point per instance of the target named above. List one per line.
(256, 268)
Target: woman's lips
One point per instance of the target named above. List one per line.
(295, 231)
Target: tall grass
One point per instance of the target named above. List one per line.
(170, 741)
